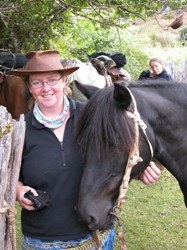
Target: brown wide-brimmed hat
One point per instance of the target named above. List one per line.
(42, 61)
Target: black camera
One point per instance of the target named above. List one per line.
(40, 201)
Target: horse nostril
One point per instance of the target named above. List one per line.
(91, 220)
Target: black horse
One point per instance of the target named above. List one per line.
(106, 135)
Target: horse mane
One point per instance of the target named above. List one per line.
(105, 124)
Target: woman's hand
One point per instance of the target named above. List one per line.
(150, 174)
(24, 202)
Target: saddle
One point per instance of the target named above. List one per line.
(117, 57)
(111, 64)
(103, 64)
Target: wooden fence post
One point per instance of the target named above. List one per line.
(12, 134)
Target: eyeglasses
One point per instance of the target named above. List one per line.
(50, 82)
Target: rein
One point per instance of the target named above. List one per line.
(133, 159)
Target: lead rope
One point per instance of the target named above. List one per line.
(133, 159)
(10, 213)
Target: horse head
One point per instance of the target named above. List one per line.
(106, 135)
(14, 95)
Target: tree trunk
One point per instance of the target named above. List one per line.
(12, 134)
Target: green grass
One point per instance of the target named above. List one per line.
(155, 217)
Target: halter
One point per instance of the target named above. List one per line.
(133, 159)
(3, 72)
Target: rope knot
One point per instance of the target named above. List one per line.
(135, 158)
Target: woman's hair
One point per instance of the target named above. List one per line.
(156, 59)
(26, 79)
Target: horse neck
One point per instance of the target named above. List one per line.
(164, 110)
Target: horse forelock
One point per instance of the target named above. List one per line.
(105, 125)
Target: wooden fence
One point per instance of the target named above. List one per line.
(178, 70)
(12, 135)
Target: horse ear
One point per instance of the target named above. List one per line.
(122, 95)
(87, 90)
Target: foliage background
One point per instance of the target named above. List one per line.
(138, 42)
(78, 28)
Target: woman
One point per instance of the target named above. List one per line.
(52, 164)
(157, 71)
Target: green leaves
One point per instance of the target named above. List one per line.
(27, 25)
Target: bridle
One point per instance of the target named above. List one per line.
(133, 159)
(3, 72)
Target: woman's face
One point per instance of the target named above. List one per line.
(47, 89)
(156, 67)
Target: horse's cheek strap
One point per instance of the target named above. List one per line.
(134, 156)
(133, 159)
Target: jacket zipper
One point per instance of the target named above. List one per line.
(63, 155)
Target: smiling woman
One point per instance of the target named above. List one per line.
(49, 158)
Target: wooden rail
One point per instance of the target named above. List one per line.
(12, 134)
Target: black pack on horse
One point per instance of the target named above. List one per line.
(107, 135)
(14, 94)
(12, 60)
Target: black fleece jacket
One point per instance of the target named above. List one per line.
(55, 168)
